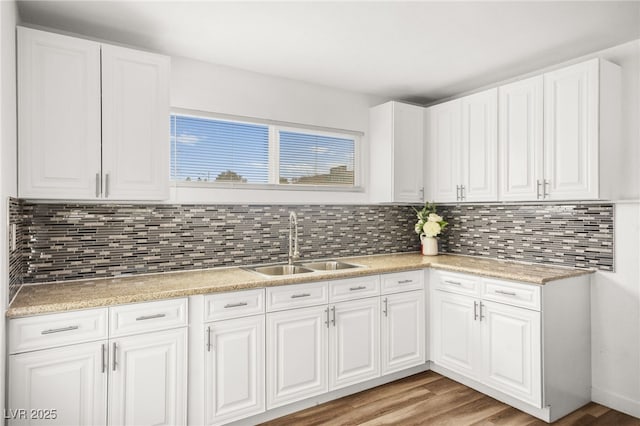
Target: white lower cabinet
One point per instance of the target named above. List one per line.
(511, 351)
(494, 343)
(138, 379)
(454, 334)
(234, 369)
(402, 331)
(148, 379)
(70, 380)
(354, 342)
(297, 354)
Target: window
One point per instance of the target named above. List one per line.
(226, 151)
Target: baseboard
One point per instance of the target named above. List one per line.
(616, 401)
(330, 396)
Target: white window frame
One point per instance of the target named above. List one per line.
(275, 127)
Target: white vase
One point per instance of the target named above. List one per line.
(429, 245)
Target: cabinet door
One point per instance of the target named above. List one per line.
(354, 342)
(455, 334)
(520, 140)
(480, 146)
(70, 380)
(444, 123)
(58, 116)
(408, 141)
(148, 379)
(135, 124)
(296, 354)
(571, 108)
(403, 331)
(512, 351)
(234, 370)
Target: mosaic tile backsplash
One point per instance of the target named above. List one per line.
(69, 241)
(577, 235)
(75, 241)
(16, 259)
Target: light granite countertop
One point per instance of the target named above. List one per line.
(66, 296)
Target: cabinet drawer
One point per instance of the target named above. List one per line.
(296, 296)
(516, 294)
(47, 331)
(145, 317)
(402, 281)
(457, 283)
(233, 305)
(354, 288)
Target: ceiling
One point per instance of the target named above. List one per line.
(417, 51)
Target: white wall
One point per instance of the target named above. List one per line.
(8, 164)
(206, 87)
(615, 319)
(615, 302)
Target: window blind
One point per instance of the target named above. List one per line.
(210, 150)
(312, 159)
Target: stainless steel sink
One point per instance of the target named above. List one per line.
(330, 265)
(277, 270)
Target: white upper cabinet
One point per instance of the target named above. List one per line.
(135, 124)
(396, 139)
(58, 116)
(480, 147)
(520, 135)
(462, 135)
(571, 132)
(560, 135)
(444, 136)
(93, 120)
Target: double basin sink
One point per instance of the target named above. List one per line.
(303, 268)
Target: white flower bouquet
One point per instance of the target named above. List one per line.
(429, 224)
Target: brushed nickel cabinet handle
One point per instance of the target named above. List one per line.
(462, 195)
(538, 185)
(481, 315)
(507, 293)
(326, 311)
(546, 185)
(457, 192)
(60, 330)
(148, 317)
(405, 281)
(452, 282)
(106, 185)
(102, 357)
(297, 296)
(386, 306)
(333, 310)
(360, 287)
(97, 185)
(475, 310)
(235, 305)
(209, 339)
(115, 351)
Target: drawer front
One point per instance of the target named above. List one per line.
(233, 305)
(47, 331)
(296, 296)
(354, 288)
(402, 281)
(456, 283)
(144, 317)
(510, 293)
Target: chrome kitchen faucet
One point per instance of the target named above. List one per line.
(294, 254)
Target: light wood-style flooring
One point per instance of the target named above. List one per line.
(431, 399)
